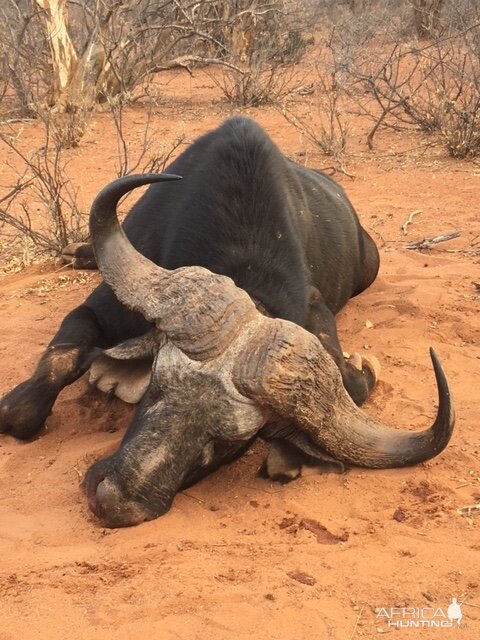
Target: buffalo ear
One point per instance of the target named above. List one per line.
(125, 370)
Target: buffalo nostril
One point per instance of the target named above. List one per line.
(110, 500)
(109, 504)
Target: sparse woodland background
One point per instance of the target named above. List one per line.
(400, 64)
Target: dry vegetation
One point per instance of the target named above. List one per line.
(409, 65)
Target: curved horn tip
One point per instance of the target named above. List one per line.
(150, 177)
(439, 372)
(445, 422)
(133, 180)
(170, 176)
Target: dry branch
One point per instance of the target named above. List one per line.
(427, 243)
(410, 220)
(152, 156)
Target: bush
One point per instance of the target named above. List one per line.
(263, 47)
(43, 185)
(432, 86)
(42, 207)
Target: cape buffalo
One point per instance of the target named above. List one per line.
(217, 315)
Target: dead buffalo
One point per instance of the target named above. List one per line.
(217, 315)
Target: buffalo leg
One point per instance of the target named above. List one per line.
(24, 410)
(359, 378)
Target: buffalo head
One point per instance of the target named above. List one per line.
(221, 371)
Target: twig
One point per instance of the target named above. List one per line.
(189, 495)
(380, 236)
(332, 170)
(465, 252)
(357, 621)
(341, 169)
(426, 243)
(270, 543)
(410, 220)
(64, 266)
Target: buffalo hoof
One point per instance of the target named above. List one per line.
(80, 255)
(24, 410)
(366, 364)
(360, 375)
(285, 463)
(127, 379)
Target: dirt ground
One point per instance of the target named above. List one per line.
(325, 557)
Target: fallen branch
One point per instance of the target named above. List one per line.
(185, 62)
(15, 120)
(470, 510)
(427, 243)
(305, 90)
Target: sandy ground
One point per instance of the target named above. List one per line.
(324, 557)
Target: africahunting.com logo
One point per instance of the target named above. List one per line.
(423, 617)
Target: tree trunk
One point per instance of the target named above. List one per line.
(78, 82)
(93, 79)
(64, 56)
